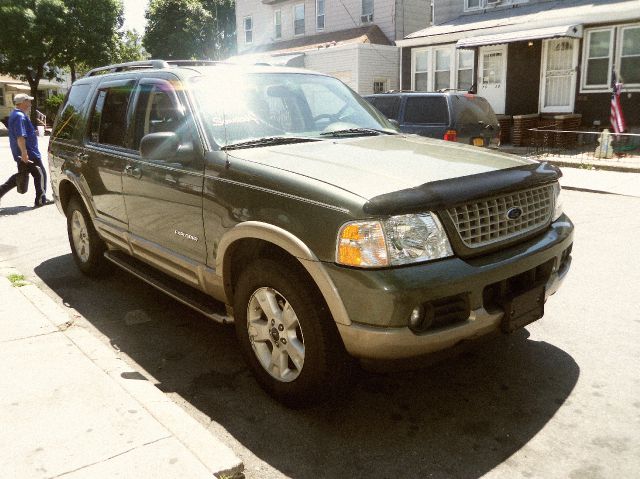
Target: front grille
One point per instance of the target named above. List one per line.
(485, 222)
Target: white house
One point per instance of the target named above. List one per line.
(352, 40)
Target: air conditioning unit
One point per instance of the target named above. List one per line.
(366, 18)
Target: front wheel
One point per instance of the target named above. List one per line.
(86, 246)
(287, 335)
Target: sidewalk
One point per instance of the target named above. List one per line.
(69, 406)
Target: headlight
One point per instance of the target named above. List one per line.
(397, 240)
(557, 203)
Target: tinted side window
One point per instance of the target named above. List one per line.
(426, 109)
(109, 118)
(71, 112)
(473, 110)
(388, 106)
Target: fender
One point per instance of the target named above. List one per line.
(296, 247)
(80, 186)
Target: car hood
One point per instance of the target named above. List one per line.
(374, 166)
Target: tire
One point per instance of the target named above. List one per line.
(86, 246)
(297, 357)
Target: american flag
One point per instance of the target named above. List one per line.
(616, 118)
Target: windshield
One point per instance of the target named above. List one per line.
(241, 107)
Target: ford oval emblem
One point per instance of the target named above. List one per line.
(514, 213)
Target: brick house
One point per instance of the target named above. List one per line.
(541, 57)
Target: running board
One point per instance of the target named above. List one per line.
(191, 297)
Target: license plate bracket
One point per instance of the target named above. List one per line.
(522, 309)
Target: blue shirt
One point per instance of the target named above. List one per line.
(20, 125)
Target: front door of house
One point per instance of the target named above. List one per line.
(558, 83)
(492, 73)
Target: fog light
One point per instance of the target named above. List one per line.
(417, 317)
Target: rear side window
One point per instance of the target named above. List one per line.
(109, 118)
(71, 112)
(474, 109)
(388, 106)
(426, 109)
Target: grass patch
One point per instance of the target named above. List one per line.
(17, 280)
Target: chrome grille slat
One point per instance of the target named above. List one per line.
(485, 221)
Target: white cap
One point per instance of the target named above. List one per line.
(20, 97)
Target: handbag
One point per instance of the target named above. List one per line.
(22, 180)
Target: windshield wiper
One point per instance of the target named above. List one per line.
(267, 141)
(358, 132)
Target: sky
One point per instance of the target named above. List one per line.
(134, 15)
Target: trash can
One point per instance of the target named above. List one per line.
(40, 130)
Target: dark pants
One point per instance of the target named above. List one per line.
(37, 170)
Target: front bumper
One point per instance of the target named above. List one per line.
(379, 303)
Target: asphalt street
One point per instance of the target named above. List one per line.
(560, 398)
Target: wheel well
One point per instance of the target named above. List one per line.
(243, 251)
(66, 191)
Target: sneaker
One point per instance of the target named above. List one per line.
(43, 202)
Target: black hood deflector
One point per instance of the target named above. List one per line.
(444, 194)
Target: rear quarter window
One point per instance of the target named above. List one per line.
(427, 109)
(71, 112)
(473, 110)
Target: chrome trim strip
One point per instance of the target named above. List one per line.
(278, 193)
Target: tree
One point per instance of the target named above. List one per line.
(92, 34)
(190, 29)
(38, 37)
(128, 48)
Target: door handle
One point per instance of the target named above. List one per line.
(82, 157)
(136, 173)
(128, 169)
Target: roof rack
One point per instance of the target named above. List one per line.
(156, 64)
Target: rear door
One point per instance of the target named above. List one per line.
(426, 115)
(163, 195)
(104, 157)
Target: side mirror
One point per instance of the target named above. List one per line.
(394, 122)
(159, 146)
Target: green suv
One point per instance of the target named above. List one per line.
(280, 200)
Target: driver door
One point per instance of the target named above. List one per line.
(163, 195)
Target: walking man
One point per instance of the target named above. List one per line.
(24, 147)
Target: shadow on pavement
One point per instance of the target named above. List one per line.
(460, 417)
(14, 210)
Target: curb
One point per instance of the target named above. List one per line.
(218, 458)
(596, 166)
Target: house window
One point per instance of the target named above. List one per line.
(607, 49)
(432, 12)
(379, 86)
(298, 23)
(477, 4)
(248, 30)
(367, 11)
(442, 75)
(277, 24)
(465, 69)
(630, 55)
(319, 14)
(598, 62)
(421, 70)
(442, 68)
(2, 101)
